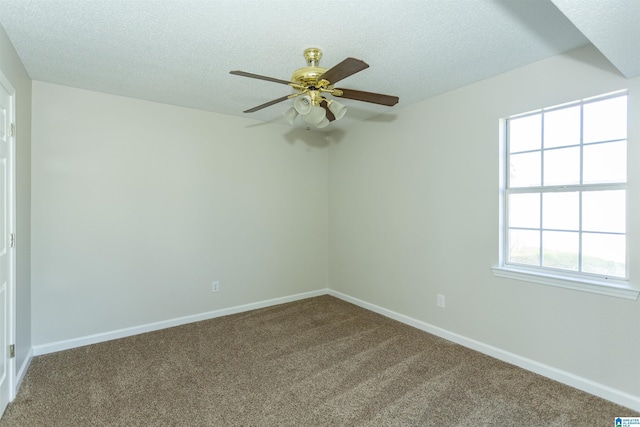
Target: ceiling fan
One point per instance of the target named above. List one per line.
(312, 82)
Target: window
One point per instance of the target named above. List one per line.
(565, 192)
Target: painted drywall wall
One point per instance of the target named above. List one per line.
(15, 72)
(413, 212)
(139, 206)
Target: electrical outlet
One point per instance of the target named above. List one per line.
(440, 301)
(215, 286)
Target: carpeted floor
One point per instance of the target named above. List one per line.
(316, 362)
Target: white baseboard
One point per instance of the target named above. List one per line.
(21, 373)
(127, 332)
(621, 398)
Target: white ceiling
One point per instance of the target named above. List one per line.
(180, 52)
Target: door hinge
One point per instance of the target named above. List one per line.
(12, 351)
(12, 130)
(12, 240)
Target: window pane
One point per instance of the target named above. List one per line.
(524, 170)
(560, 250)
(561, 211)
(562, 127)
(525, 134)
(524, 247)
(524, 210)
(559, 216)
(605, 120)
(562, 166)
(604, 254)
(604, 211)
(605, 163)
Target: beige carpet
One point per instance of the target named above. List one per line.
(316, 362)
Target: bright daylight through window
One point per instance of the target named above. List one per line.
(566, 190)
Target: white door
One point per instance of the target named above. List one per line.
(6, 256)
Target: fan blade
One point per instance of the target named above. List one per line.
(343, 70)
(258, 76)
(330, 116)
(267, 104)
(374, 98)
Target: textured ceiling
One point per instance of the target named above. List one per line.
(180, 52)
(613, 26)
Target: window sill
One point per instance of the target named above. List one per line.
(613, 288)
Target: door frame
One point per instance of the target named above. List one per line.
(11, 217)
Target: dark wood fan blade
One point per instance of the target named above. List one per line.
(266, 104)
(343, 70)
(330, 116)
(258, 76)
(375, 98)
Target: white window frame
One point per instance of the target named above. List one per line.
(617, 287)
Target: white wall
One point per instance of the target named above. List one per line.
(13, 69)
(138, 206)
(414, 212)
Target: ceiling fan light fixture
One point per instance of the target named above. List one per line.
(312, 82)
(290, 115)
(302, 104)
(337, 109)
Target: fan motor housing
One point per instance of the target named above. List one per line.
(307, 76)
